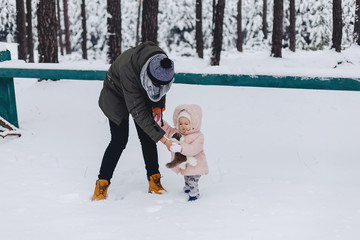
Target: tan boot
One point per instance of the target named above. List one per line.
(101, 188)
(155, 184)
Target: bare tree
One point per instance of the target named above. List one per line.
(292, 26)
(198, 29)
(277, 28)
(138, 24)
(84, 32)
(149, 25)
(357, 22)
(239, 42)
(21, 29)
(48, 49)
(114, 29)
(59, 31)
(67, 29)
(218, 18)
(337, 25)
(30, 44)
(264, 17)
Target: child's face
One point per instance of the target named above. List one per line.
(184, 125)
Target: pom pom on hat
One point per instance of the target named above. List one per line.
(161, 70)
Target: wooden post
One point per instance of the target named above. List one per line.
(7, 95)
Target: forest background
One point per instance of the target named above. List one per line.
(177, 20)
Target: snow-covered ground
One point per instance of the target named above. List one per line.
(284, 164)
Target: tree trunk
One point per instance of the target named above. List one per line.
(30, 44)
(67, 30)
(59, 32)
(198, 32)
(48, 50)
(114, 29)
(264, 17)
(292, 26)
(84, 32)
(277, 28)
(138, 24)
(218, 19)
(149, 21)
(21, 29)
(239, 42)
(357, 22)
(337, 25)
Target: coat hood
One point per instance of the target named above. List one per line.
(195, 113)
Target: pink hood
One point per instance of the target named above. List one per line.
(195, 114)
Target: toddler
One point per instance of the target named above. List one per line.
(187, 119)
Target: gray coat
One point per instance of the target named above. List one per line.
(122, 92)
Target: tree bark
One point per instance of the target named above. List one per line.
(114, 29)
(84, 32)
(264, 17)
(239, 42)
(21, 29)
(218, 19)
(30, 44)
(149, 25)
(59, 32)
(357, 22)
(337, 25)
(277, 28)
(292, 26)
(198, 30)
(138, 24)
(67, 29)
(48, 49)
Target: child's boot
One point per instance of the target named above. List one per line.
(193, 198)
(101, 188)
(155, 184)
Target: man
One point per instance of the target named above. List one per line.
(136, 84)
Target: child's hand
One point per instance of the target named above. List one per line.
(157, 114)
(175, 147)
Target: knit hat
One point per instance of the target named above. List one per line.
(161, 69)
(183, 114)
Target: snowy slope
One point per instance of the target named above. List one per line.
(283, 165)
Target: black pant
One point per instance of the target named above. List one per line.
(119, 139)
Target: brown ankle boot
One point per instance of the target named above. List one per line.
(155, 184)
(101, 188)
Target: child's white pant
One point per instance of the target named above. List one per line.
(191, 183)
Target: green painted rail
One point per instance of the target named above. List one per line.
(7, 95)
(348, 84)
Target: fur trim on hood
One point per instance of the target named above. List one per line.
(195, 113)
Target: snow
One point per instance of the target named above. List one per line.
(283, 162)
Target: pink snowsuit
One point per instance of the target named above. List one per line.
(194, 140)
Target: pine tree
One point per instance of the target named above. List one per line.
(239, 42)
(277, 29)
(199, 33)
(357, 22)
(48, 49)
(21, 30)
(138, 24)
(30, 44)
(264, 26)
(67, 28)
(114, 29)
(337, 25)
(149, 25)
(292, 30)
(84, 32)
(218, 18)
(59, 31)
